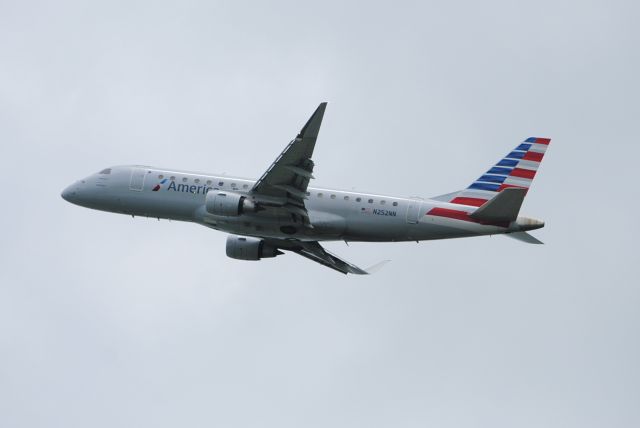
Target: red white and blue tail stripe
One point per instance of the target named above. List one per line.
(517, 169)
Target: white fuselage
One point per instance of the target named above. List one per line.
(333, 214)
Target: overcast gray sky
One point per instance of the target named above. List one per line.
(111, 321)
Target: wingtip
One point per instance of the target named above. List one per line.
(321, 107)
(375, 268)
(312, 127)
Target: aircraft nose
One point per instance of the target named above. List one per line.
(69, 193)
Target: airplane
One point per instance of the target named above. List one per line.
(281, 212)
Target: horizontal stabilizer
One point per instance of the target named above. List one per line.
(524, 237)
(505, 206)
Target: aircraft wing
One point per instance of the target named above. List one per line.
(314, 251)
(285, 182)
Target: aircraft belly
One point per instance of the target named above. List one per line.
(431, 227)
(271, 223)
(146, 204)
(363, 225)
(367, 226)
(327, 224)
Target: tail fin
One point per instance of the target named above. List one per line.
(517, 169)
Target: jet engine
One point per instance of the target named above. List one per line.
(228, 203)
(249, 248)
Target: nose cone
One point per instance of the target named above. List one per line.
(69, 193)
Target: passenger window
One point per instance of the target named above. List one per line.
(395, 204)
(221, 183)
(370, 201)
(307, 193)
(233, 184)
(382, 202)
(358, 199)
(173, 178)
(319, 195)
(245, 186)
(161, 176)
(333, 196)
(184, 179)
(197, 180)
(208, 182)
(346, 198)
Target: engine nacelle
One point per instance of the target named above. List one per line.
(249, 248)
(227, 203)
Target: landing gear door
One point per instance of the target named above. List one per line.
(137, 179)
(413, 210)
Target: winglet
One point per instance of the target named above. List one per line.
(502, 207)
(312, 127)
(375, 268)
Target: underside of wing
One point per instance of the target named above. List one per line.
(285, 182)
(314, 251)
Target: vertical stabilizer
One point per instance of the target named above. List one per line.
(515, 170)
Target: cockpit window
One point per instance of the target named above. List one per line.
(105, 171)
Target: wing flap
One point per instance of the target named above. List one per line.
(285, 182)
(333, 262)
(289, 175)
(314, 251)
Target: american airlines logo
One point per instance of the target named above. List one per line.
(159, 185)
(186, 188)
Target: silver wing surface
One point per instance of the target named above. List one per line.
(284, 185)
(314, 251)
(285, 182)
